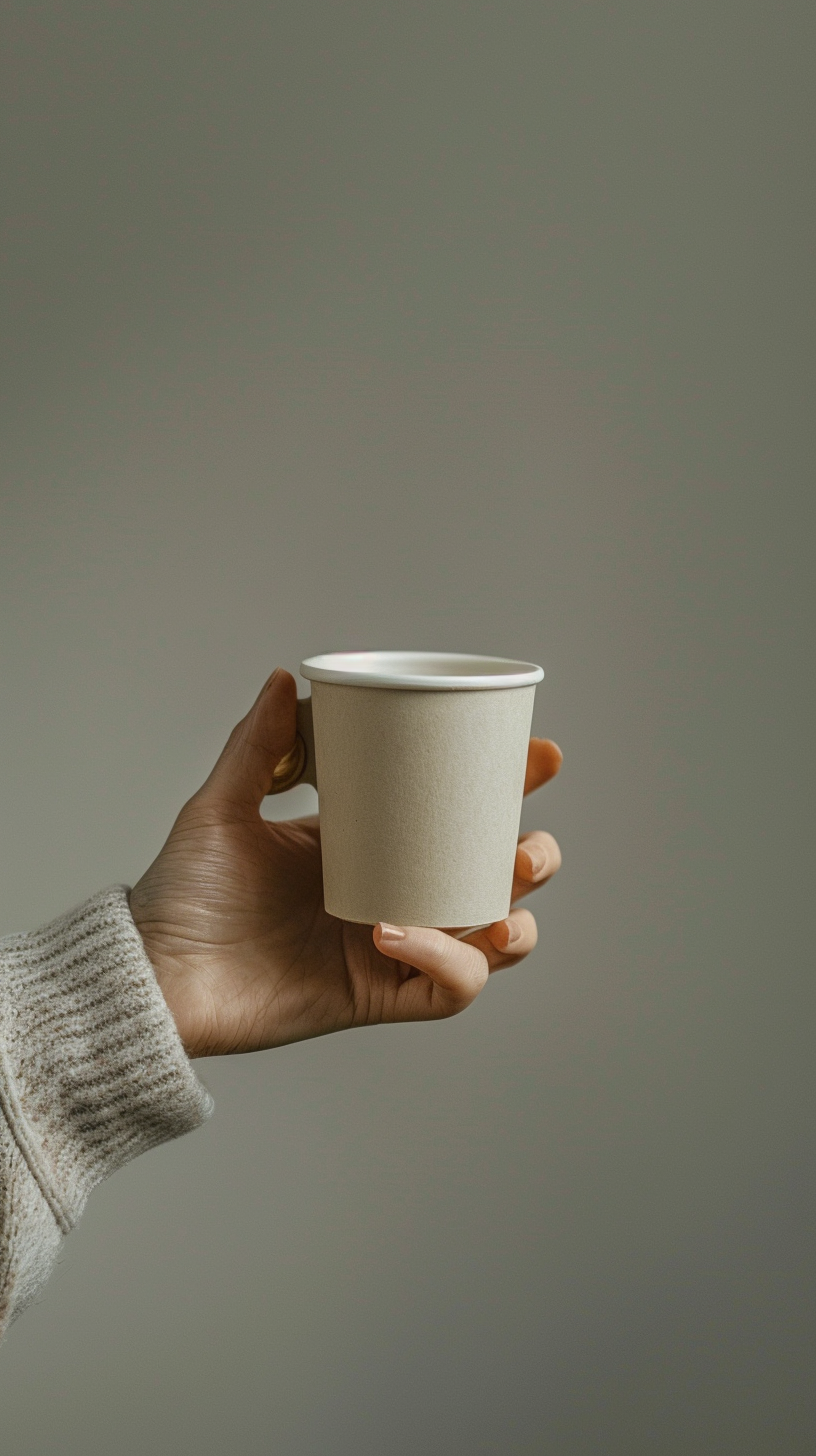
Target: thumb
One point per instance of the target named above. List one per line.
(243, 774)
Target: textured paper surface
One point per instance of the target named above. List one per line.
(420, 800)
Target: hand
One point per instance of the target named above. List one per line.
(231, 913)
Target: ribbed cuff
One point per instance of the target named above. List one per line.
(94, 1071)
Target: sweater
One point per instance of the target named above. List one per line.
(92, 1073)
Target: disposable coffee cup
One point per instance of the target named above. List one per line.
(419, 760)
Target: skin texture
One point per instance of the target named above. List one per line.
(231, 913)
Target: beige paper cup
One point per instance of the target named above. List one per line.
(419, 763)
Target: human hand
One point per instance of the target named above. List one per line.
(231, 913)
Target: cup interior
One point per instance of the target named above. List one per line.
(423, 670)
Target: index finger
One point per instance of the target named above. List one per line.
(544, 759)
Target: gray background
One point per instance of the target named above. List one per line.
(451, 325)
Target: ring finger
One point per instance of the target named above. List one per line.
(506, 941)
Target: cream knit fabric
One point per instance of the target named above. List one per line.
(92, 1073)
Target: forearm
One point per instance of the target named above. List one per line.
(92, 1073)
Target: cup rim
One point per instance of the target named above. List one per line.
(437, 671)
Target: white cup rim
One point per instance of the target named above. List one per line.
(437, 671)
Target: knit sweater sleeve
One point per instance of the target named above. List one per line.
(92, 1073)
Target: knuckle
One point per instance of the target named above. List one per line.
(477, 972)
(236, 735)
(458, 1000)
(444, 948)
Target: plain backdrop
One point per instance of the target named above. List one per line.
(468, 326)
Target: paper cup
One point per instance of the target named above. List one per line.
(419, 763)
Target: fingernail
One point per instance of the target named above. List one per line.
(390, 934)
(538, 862)
(513, 931)
(271, 679)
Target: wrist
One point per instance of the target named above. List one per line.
(172, 975)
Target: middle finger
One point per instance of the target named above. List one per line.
(537, 860)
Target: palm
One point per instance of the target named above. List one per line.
(272, 966)
(232, 916)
